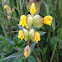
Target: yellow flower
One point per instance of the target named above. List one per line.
(9, 17)
(48, 20)
(22, 20)
(8, 12)
(37, 37)
(5, 6)
(32, 9)
(23, 23)
(9, 8)
(13, 9)
(20, 34)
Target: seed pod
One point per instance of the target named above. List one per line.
(37, 21)
(26, 34)
(27, 51)
(29, 21)
(31, 34)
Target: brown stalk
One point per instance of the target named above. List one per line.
(28, 44)
(26, 59)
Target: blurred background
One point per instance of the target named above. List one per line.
(49, 49)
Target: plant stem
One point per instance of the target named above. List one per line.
(37, 56)
(4, 30)
(53, 52)
(39, 51)
(28, 44)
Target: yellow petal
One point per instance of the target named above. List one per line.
(48, 20)
(23, 18)
(18, 36)
(32, 9)
(26, 54)
(36, 41)
(9, 8)
(37, 37)
(5, 6)
(22, 21)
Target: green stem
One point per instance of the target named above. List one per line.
(53, 52)
(39, 51)
(4, 30)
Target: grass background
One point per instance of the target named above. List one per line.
(49, 49)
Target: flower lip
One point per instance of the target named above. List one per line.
(23, 20)
(32, 9)
(48, 20)
(20, 34)
(37, 37)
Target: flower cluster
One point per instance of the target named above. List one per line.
(27, 22)
(8, 11)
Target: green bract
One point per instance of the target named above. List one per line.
(26, 34)
(29, 21)
(31, 34)
(37, 21)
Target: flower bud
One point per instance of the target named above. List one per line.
(13, 9)
(9, 12)
(26, 34)
(9, 17)
(27, 51)
(37, 21)
(5, 6)
(31, 34)
(29, 21)
(9, 8)
(32, 9)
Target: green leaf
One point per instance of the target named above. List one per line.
(18, 54)
(41, 33)
(2, 46)
(10, 49)
(31, 59)
(32, 46)
(2, 38)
